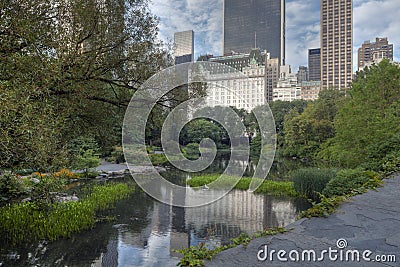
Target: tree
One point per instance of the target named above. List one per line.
(305, 133)
(369, 117)
(200, 129)
(68, 69)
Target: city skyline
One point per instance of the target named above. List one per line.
(302, 25)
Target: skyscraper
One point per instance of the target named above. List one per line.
(254, 24)
(336, 43)
(184, 46)
(314, 64)
(374, 52)
(302, 74)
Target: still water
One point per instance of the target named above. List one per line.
(145, 232)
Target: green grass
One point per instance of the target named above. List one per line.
(270, 187)
(27, 221)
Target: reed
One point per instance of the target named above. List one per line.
(28, 221)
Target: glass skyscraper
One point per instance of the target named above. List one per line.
(314, 64)
(254, 24)
(184, 46)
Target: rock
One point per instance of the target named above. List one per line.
(119, 226)
(35, 180)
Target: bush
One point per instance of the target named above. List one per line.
(10, 187)
(158, 159)
(391, 163)
(349, 180)
(311, 181)
(116, 155)
(84, 153)
(191, 151)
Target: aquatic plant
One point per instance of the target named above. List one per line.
(29, 221)
(270, 187)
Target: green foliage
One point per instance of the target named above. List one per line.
(84, 153)
(158, 159)
(270, 187)
(278, 188)
(116, 155)
(43, 191)
(391, 163)
(306, 132)
(191, 151)
(255, 146)
(28, 221)
(57, 84)
(382, 157)
(10, 187)
(346, 181)
(200, 129)
(325, 207)
(195, 255)
(311, 181)
(368, 118)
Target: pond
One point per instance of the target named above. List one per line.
(145, 232)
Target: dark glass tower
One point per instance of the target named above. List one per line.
(314, 64)
(254, 23)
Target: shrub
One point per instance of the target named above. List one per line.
(191, 151)
(10, 187)
(84, 153)
(349, 180)
(117, 155)
(391, 163)
(311, 181)
(158, 159)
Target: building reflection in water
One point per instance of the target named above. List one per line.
(172, 228)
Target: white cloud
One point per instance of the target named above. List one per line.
(302, 31)
(204, 17)
(376, 19)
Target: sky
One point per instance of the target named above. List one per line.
(371, 19)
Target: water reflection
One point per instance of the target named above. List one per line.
(145, 231)
(170, 228)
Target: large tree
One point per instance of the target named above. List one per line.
(305, 133)
(68, 69)
(370, 117)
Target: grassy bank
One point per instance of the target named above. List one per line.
(27, 221)
(275, 188)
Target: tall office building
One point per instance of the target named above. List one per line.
(336, 43)
(302, 74)
(254, 24)
(370, 53)
(314, 64)
(184, 46)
